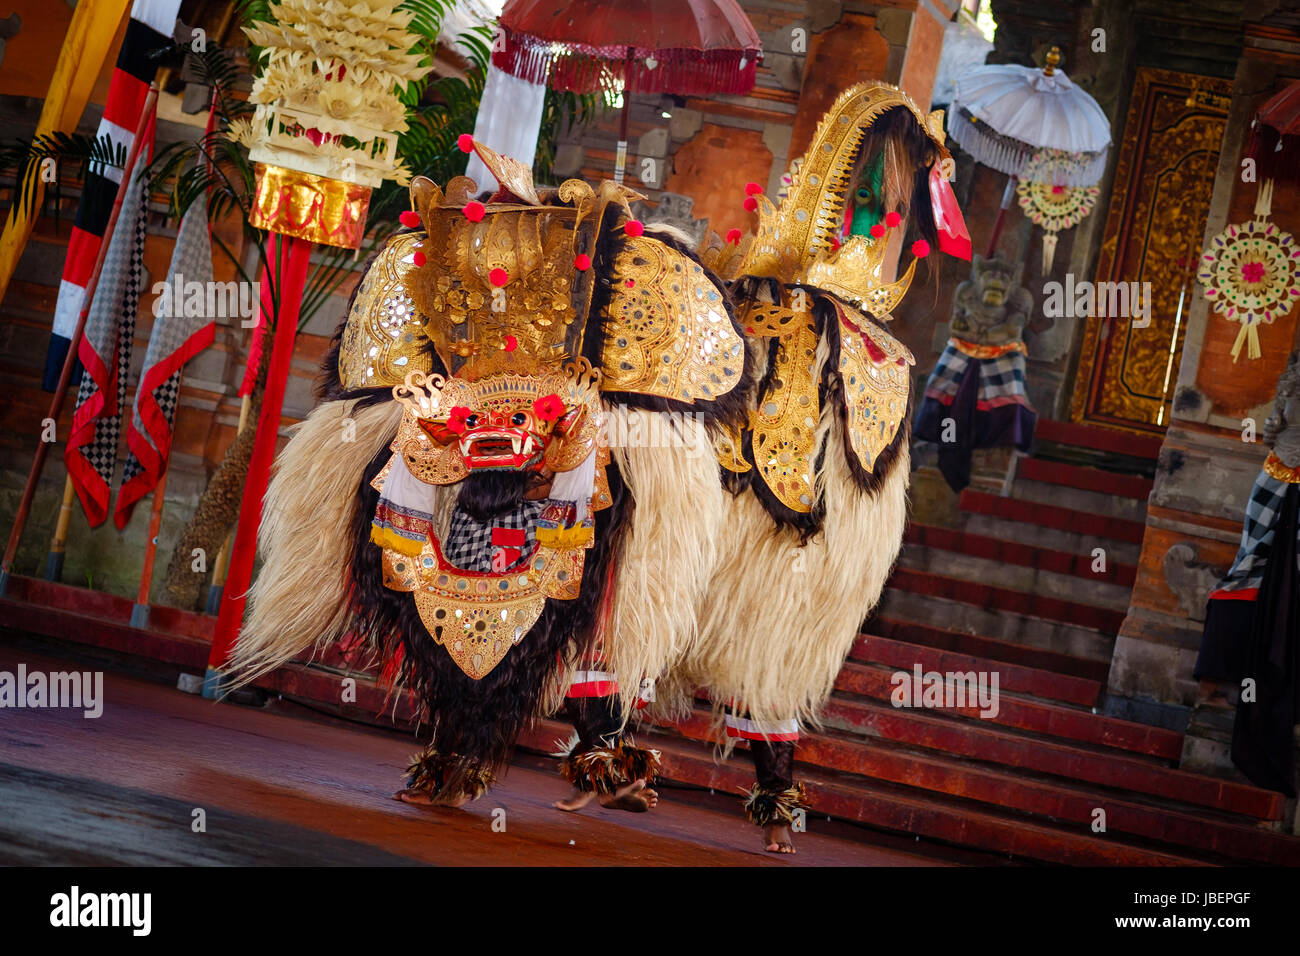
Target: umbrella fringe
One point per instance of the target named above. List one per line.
(1014, 158)
(581, 68)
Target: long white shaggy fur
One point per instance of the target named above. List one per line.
(667, 555)
(300, 598)
(778, 619)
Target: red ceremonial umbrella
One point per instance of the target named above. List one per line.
(683, 47)
(1275, 135)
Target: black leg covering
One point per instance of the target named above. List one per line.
(775, 797)
(773, 763)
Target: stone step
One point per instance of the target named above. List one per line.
(1003, 551)
(1054, 636)
(956, 562)
(1051, 516)
(1071, 761)
(1051, 799)
(1109, 483)
(1037, 536)
(1078, 499)
(978, 645)
(1044, 684)
(1113, 440)
(1009, 600)
(1023, 713)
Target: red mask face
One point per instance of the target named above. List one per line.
(504, 435)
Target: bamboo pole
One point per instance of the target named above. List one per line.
(59, 542)
(140, 613)
(65, 376)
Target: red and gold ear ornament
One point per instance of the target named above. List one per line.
(568, 423)
(444, 433)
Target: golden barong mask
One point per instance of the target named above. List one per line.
(502, 413)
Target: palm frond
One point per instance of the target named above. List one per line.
(78, 150)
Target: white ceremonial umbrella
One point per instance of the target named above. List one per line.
(1031, 124)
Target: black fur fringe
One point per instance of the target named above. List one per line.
(478, 720)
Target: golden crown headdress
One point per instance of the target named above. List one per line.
(532, 273)
(797, 241)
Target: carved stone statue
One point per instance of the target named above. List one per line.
(991, 308)
(1282, 428)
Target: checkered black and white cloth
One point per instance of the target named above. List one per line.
(1262, 510)
(1002, 379)
(469, 545)
(105, 352)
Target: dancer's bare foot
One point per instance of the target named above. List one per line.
(422, 798)
(635, 796)
(778, 838)
(576, 802)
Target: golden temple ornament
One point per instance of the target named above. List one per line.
(324, 132)
(1251, 273)
(1054, 208)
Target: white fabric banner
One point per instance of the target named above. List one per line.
(509, 117)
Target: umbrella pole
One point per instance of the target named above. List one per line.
(620, 158)
(140, 613)
(1002, 215)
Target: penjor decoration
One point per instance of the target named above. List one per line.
(328, 113)
(1251, 274)
(1054, 208)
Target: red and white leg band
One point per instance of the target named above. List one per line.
(747, 728)
(593, 684)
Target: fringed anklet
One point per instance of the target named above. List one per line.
(604, 770)
(765, 807)
(447, 775)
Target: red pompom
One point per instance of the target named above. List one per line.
(548, 408)
(419, 258)
(512, 343)
(582, 262)
(920, 248)
(410, 219)
(475, 210)
(466, 142)
(752, 189)
(456, 421)
(633, 227)
(733, 236)
(498, 277)
(892, 219)
(751, 204)
(877, 230)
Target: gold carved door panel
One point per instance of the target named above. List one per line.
(1155, 223)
